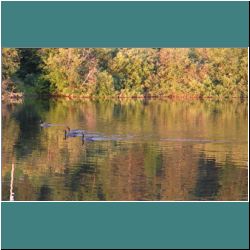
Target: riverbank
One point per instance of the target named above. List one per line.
(172, 96)
(19, 97)
(13, 97)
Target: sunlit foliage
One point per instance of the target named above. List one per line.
(130, 72)
(10, 64)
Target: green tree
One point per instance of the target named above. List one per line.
(131, 69)
(128, 72)
(71, 70)
(10, 65)
(104, 84)
(10, 62)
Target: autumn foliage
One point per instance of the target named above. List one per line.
(127, 72)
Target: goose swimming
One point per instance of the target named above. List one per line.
(73, 132)
(45, 124)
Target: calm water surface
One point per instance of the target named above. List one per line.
(133, 150)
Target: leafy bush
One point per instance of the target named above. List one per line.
(128, 72)
(104, 84)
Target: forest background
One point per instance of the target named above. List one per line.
(125, 72)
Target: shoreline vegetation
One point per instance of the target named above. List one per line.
(163, 73)
(19, 97)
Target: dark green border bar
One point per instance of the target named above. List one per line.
(125, 225)
(125, 24)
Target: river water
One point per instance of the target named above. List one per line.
(132, 150)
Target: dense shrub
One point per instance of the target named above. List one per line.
(128, 72)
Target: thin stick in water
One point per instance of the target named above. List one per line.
(12, 182)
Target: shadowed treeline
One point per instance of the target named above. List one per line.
(170, 150)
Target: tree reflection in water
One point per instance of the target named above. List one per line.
(145, 150)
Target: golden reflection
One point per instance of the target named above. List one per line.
(147, 150)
